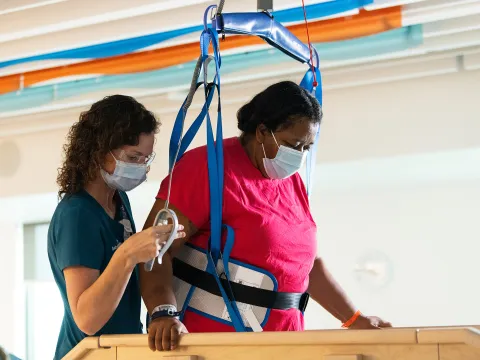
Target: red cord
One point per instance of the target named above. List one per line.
(309, 46)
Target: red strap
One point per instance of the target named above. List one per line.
(309, 45)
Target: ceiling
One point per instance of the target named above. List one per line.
(450, 31)
(29, 27)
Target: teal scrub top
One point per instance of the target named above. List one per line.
(82, 234)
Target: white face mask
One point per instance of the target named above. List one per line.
(287, 162)
(126, 177)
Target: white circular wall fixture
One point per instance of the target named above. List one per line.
(373, 270)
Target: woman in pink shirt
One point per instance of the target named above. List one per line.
(265, 202)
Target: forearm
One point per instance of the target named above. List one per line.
(328, 293)
(156, 286)
(97, 304)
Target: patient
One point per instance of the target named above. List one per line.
(265, 202)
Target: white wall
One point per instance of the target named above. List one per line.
(398, 176)
(423, 230)
(415, 116)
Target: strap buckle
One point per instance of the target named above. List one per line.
(304, 302)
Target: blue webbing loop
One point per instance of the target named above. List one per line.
(231, 305)
(205, 16)
(215, 166)
(215, 175)
(192, 131)
(307, 84)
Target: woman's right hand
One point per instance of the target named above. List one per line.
(164, 333)
(146, 245)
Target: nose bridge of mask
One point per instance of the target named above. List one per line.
(288, 155)
(129, 170)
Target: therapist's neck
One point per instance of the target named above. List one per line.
(102, 193)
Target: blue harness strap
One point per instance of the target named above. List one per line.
(307, 83)
(176, 137)
(178, 146)
(215, 175)
(267, 28)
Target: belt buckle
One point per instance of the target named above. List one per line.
(304, 302)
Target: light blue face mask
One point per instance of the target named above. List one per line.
(126, 176)
(287, 162)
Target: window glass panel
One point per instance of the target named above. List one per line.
(44, 305)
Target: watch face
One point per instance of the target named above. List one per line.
(373, 270)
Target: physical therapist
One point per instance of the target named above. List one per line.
(92, 245)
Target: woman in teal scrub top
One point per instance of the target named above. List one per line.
(92, 245)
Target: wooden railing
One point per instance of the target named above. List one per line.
(448, 343)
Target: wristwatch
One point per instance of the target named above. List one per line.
(167, 310)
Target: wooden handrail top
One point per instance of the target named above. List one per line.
(460, 335)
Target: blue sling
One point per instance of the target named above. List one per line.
(264, 26)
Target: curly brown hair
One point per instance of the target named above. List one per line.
(110, 123)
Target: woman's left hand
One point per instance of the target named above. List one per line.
(369, 322)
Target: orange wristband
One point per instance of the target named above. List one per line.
(350, 321)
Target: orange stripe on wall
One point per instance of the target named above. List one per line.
(364, 24)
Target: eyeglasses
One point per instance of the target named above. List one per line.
(136, 159)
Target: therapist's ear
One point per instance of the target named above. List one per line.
(109, 163)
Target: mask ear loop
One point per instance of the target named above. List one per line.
(102, 170)
(114, 158)
(264, 153)
(263, 147)
(275, 139)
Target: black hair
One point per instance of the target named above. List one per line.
(109, 124)
(278, 107)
